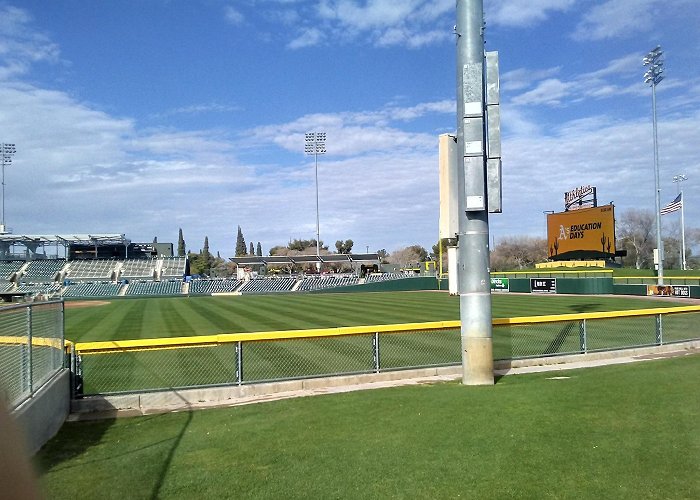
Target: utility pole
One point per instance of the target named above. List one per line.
(474, 283)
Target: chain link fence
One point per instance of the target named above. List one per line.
(31, 349)
(137, 366)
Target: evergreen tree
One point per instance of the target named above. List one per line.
(252, 250)
(240, 244)
(206, 256)
(180, 244)
(259, 250)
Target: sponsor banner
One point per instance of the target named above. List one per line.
(500, 285)
(589, 232)
(543, 285)
(669, 290)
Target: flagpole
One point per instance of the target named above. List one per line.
(677, 179)
(682, 232)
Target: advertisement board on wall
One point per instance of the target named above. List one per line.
(587, 233)
(669, 290)
(500, 285)
(543, 285)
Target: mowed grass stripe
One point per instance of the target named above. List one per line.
(152, 317)
(626, 431)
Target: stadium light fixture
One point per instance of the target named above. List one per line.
(315, 144)
(653, 77)
(678, 179)
(7, 151)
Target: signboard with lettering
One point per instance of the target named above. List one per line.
(500, 285)
(576, 198)
(669, 290)
(543, 285)
(588, 233)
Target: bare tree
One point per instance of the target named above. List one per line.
(635, 233)
(518, 252)
(409, 255)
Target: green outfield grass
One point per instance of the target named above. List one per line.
(123, 319)
(303, 358)
(624, 432)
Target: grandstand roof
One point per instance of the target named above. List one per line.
(63, 238)
(249, 260)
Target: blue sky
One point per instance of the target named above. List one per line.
(142, 117)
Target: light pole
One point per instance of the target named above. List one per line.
(8, 151)
(653, 76)
(678, 179)
(315, 144)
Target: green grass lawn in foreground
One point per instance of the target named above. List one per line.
(184, 316)
(625, 431)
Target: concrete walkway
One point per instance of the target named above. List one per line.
(98, 407)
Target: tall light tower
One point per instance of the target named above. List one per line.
(8, 151)
(315, 144)
(678, 179)
(653, 77)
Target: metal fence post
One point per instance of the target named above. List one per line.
(659, 330)
(583, 336)
(239, 363)
(375, 351)
(29, 350)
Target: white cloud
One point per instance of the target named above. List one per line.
(368, 15)
(233, 16)
(520, 13)
(20, 44)
(308, 38)
(551, 91)
(384, 23)
(616, 18)
(619, 77)
(521, 78)
(627, 18)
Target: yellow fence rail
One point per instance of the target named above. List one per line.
(226, 338)
(128, 366)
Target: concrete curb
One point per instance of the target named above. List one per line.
(96, 407)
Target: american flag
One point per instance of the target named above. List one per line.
(673, 206)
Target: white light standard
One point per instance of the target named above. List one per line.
(653, 77)
(8, 151)
(678, 179)
(315, 144)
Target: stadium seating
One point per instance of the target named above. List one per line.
(373, 278)
(173, 267)
(171, 287)
(138, 269)
(207, 287)
(49, 289)
(41, 271)
(9, 267)
(91, 269)
(97, 289)
(268, 285)
(324, 282)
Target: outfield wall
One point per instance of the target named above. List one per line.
(399, 285)
(41, 416)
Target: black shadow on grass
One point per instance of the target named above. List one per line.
(64, 447)
(556, 344)
(584, 308)
(171, 453)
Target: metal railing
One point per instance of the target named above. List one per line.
(236, 359)
(653, 280)
(31, 349)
